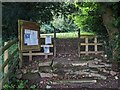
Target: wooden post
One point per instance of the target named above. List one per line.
(30, 56)
(46, 56)
(78, 42)
(19, 45)
(20, 57)
(86, 48)
(1, 75)
(95, 45)
(1, 84)
(0, 50)
(5, 70)
(54, 42)
(5, 58)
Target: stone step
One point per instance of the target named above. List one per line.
(74, 81)
(96, 66)
(50, 75)
(31, 76)
(79, 64)
(90, 74)
(45, 63)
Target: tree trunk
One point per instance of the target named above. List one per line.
(112, 31)
(108, 20)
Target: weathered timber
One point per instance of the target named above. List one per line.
(34, 54)
(5, 58)
(9, 58)
(10, 43)
(75, 81)
(9, 73)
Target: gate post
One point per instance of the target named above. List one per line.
(19, 45)
(54, 42)
(95, 40)
(79, 42)
(5, 58)
(86, 47)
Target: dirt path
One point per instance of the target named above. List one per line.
(70, 72)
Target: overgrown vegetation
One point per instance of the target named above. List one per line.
(102, 19)
(17, 84)
(40, 12)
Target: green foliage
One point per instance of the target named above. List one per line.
(8, 87)
(19, 85)
(64, 24)
(33, 87)
(89, 18)
(31, 11)
(117, 47)
(46, 28)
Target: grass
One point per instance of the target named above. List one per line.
(69, 34)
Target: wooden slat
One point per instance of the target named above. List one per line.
(54, 42)
(78, 42)
(1, 84)
(34, 54)
(44, 36)
(46, 45)
(5, 58)
(10, 70)
(88, 36)
(95, 47)
(86, 47)
(10, 43)
(84, 52)
(91, 43)
(30, 56)
(14, 63)
(20, 57)
(9, 58)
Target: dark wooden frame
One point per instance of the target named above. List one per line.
(32, 26)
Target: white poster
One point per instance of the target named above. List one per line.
(46, 49)
(48, 40)
(27, 37)
(30, 37)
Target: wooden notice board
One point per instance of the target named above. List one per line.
(29, 36)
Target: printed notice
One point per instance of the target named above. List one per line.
(48, 40)
(46, 49)
(27, 36)
(30, 37)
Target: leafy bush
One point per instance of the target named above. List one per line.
(20, 85)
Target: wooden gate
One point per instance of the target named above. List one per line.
(88, 45)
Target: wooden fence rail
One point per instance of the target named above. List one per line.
(86, 44)
(94, 43)
(9, 44)
(30, 54)
(11, 57)
(6, 72)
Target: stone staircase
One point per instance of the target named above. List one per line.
(66, 72)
